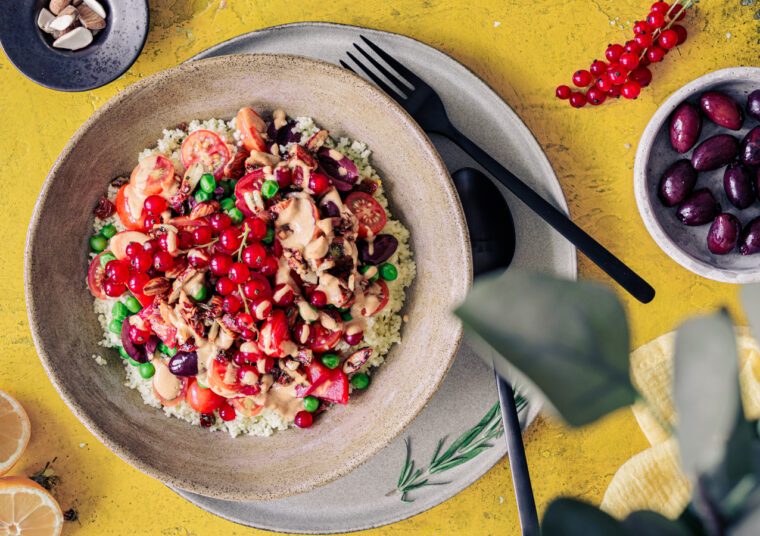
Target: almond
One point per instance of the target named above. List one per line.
(96, 7)
(207, 208)
(177, 268)
(90, 19)
(44, 18)
(73, 38)
(65, 19)
(156, 286)
(57, 6)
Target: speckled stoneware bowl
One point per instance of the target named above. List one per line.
(66, 331)
(688, 245)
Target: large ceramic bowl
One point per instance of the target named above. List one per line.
(688, 245)
(66, 330)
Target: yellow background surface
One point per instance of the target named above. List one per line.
(523, 49)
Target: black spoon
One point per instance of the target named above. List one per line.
(492, 233)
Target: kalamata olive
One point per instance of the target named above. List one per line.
(739, 186)
(724, 234)
(749, 242)
(331, 209)
(184, 364)
(151, 345)
(135, 351)
(750, 150)
(677, 182)
(685, 127)
(337, 165)
(715, 152)
(699, 208)
(753, 105)
(383, 247)
(722, 109)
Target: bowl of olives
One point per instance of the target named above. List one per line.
(697, 176)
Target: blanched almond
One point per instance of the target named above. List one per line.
(96, 7)
(75, 39)
(90, 19)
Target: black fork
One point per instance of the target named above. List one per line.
(426, 107)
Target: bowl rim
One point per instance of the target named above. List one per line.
(458, 288)
(640, 183)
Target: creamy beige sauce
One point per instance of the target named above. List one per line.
(166, 384)
(296, 224)
(279, 398)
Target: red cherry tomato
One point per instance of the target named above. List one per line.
(174, 401)
(153, 175)
(382, 293)
(208, 148)
(370, 214)
(245, 406)
(119, 242)
(244, 190)
(131, 221)
(250, 126)
(144, 300)
(203, 400)
(96, 276)
(323, 340)
(335, 389)
(217, 376)
(274, 332)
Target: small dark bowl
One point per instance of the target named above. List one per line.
(113, 50)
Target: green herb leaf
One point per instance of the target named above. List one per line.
(560, 329)
(646, 523)
(570, 517)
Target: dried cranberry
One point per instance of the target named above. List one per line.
(104, 209)
(207, 419)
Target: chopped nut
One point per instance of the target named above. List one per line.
(73, 39)
(157, 285)
(90, 19)
(56, 6)
(259, 158)
(96, 7)
(206, 208)
(65, 19)
(235, 168)
(44, 19)
(317, 141)
(356, 360)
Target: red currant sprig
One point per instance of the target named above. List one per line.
(626, 70)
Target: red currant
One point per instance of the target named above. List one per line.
(150, 246)
(141, 262)
(656, 54)
(265, 364)
(230, 238)
(613, 52)
(629, 61)
(597, 68)
(277, 248)
(641, 28)
(284, 176)
(677, 12)
(117, 271)
(185, 239)
(655, 20)
(668, 39)
(163, 261)
(617, 74)
(137, 282)
(643, 40)
(138, 335)
(354, 338)
(257, 287)
(151, 220)
(318, 298)
(318, 183)
(155, 204)
(163, 242)
(563, 92)
(642, 75)
(254, 255)
(283, 295)
(256, 227)
(303, 419)
(227, 413)
(604, 83)
(202, 235)
(231, 304)
(225, 286)
(220, 263)
(239, 273)
(644, 62)
(244, 321)
(132, 249)
(239, 359)
(595, 96)
(682, 33)
(614, 93)
(582, 78)
(269, 266)
(261, 308)
(114, 290)
(630, 90)
(632, 47)
(660, 7)
(577, 100)
(249, 335)
(219, 221)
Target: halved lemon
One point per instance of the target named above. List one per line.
(27, 509)
(14, 431)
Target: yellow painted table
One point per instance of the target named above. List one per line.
(523, 49)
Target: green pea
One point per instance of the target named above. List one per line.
(235, 215)
(201, 385)
(269, 237)
(133, 305)
(147, 370)
(98, 243)
(201, 295)
(370, 272)
(108, 231)
(346, 316)
(133, 362)
(226, 187)
(171, 352)
(119, 311)
(388, 272)
(228, 203)
(331, 361)
(310, 403)
(123, 353)
(115, 326)
(202, 196)
(269, 189)
(208, 183)
(105, 258)
(360, 381)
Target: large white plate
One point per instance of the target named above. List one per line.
(359, 501)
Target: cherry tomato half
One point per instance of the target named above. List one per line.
(153, 175)
(174, 401)
(203, 400)
(323, 340)
(274, 332)
(96, 276)
(123, 208)
(250, 125)
(370, 214)
(245, 406)
(247, 185)
(208, 148)
(217, 373)
(380, 289)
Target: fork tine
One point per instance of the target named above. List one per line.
(379, 81)
(397, 66)
(346, 66)
(390, 76)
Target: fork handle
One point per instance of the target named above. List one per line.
(614, 267)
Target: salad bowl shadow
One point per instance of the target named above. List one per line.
(289, 462)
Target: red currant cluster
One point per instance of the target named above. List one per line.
(627, 71)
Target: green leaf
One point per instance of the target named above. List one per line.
(450, 464)
(553, 331)
(437, 450)
(570, 517)
(646, 523)
(407, 465)
(705, 391)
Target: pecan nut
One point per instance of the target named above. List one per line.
(156, 286)
(235, 168)
(206, 208)
(356, 360)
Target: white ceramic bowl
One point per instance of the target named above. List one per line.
(688, 245)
